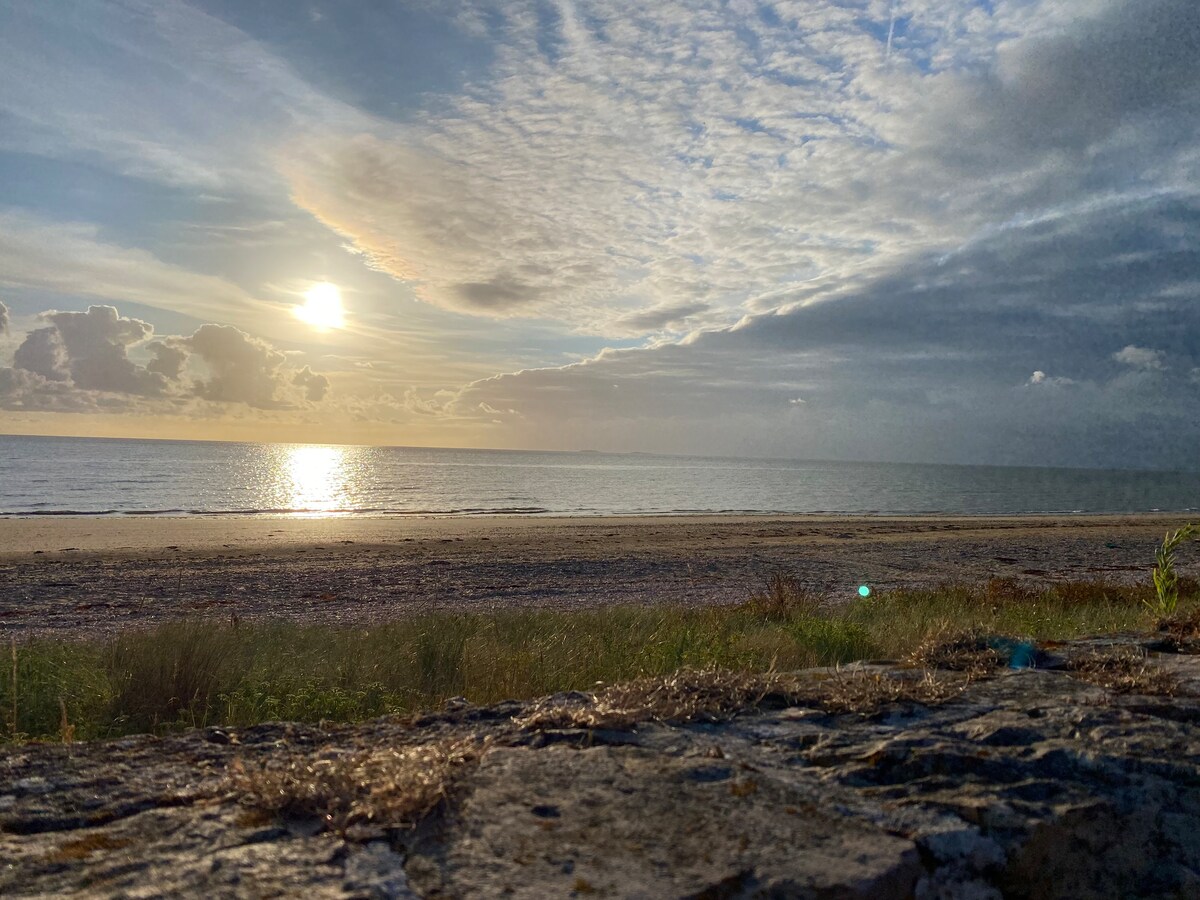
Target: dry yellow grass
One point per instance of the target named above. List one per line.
(1123, 670)
(713, 694)
(1182, 633)
(866, 691)
(782, 597)
(684, 696)
(957, 651)
(389, 787)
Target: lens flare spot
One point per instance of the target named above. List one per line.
(864, 591)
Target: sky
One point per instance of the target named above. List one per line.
(961, 231)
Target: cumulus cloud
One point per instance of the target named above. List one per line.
(95, 347)
(1140, 357)
(22, 389)
(80, 360)
(169, 359)
(242, 369)
(42, 353)
(314, 386)
(3, 319)
(1040, 377)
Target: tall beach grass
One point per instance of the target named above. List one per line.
(199, 673)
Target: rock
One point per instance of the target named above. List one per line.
(638, 823)
(377, 871)
(1027, 784)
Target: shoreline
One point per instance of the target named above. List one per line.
(26, 534)
(89, 576)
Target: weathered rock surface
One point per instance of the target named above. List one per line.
(1027, 784)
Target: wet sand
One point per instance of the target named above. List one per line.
(76, 576)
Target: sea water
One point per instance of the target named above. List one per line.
(94, 476)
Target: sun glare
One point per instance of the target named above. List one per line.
(322, 307)
(318, 479)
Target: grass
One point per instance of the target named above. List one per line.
(1166, 582)
(359, 793)
(691, 695)
(1181, 634)
(1123, 670)
(392, 787)
(957, 651)
(194, 674)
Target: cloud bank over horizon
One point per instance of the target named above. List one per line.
(946, 230)
(79, 362)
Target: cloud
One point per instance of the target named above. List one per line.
(660, 318)
(169, 359)
(314, 386)
(3, 319)
(42, 353)
(1117, 73)
(657, 158)
(1140, 357)
(80, 358)
(70, 259)
(95, 350)
(897, 225)
(21, 389)
(931, 360)
(627, 162)
(1040, 377)
(80, 361)
(166, 94)
(242, 369)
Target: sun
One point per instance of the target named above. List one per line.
(322, 307)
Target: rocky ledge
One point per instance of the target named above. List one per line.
(1079, 777)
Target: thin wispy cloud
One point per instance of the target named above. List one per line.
(611, 165)
(73, 259)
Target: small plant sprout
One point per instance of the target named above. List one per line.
(1166, 582)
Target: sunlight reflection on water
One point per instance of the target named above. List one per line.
(317, 478)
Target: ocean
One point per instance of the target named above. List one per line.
(42, 476)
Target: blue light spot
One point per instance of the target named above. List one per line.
(864, 591)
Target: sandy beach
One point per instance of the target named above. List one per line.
(91, 575)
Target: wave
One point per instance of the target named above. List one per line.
(581, 512)
(289, 511)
